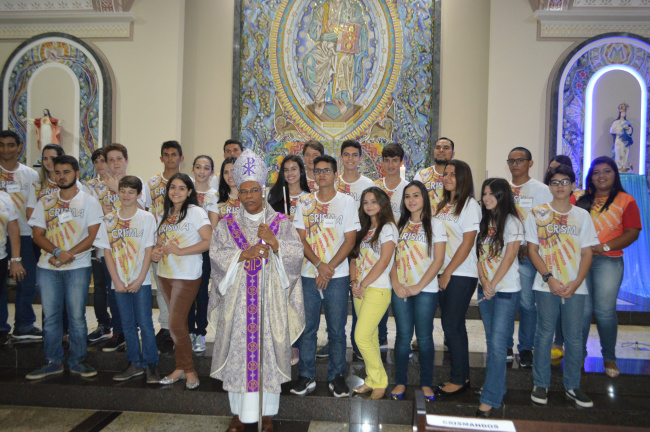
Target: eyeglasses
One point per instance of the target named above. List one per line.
(516, 161)
(563, 182)
(249, 191)
(327, 171)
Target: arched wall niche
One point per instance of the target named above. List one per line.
(92, 80)
(572, 104)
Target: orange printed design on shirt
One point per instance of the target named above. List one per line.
(433, 182)
(157, 188)
(516, 191)
(107, 196)
(170, 235)
(60, 234)
(558, 242)
(368, 256)
(124, 248)
(411, 254)
(19, 199)
(343, 187)
(453, 241)
(232, 205)
(41, 191)
(488, 265)
(320, 238)
(312, 185)
(380, 184)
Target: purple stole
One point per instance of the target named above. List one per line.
(252, 268)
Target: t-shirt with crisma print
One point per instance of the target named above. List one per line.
(369, 256)
(513, 232)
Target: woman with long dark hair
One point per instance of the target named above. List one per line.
(228, 195)
(419, 257)
(499, 237)
(372, 259)
(461, 214)
(289, 187)
(183, 235)
(618, 223)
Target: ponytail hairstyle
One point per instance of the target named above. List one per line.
(464, 187)
(169, 206)
(385, 216)
(497, 218)
(587, 200)
(224, 189)
(425, 217)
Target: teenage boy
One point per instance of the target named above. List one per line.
(327, 222)
(231, 148)
(528, 193)
(17, 180)
(65, 225)
(127, 236)
(351, 182)
(432, 177)
(560, 237)
(171, 155)
(310, 151)
(117, 162)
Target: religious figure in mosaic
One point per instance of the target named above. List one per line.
(621, 131)
(333, 67)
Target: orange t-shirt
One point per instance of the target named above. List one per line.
(623, 213)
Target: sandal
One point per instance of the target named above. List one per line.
(611, 369)
(557, 353)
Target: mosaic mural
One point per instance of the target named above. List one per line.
(575, 86)
(333, 70)
(71, 55)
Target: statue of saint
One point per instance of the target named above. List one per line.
(48, 129)
(621, 131)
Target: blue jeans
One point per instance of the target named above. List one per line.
(498, 314)
(454, 302)
(415, 313)
(383, 327)
(527, 309)
(116, 321)
(336, 313)
(59, 289)
(197, 319)
(25, 290)
(549, 306)
(100, 292)
(136, 312)
(603, 282)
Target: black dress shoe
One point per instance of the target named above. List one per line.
(439, 392)
(483, 414)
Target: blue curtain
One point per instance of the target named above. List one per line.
(637, 256)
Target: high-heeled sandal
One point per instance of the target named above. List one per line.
(362, 389)
(378, 394)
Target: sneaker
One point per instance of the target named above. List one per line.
(83, 369)
(303, 386)
(162, 335)
(115, 343)
(192, 339)
(99, 334)
(526, 359)
(383, 345)
(152, 375)
(199, 344)
(510, 355)
(539, 395)
(164, 341)
(47, 370)
(339, 387)
(33, 334)
(579, 397)
(356, 354)
(324, 352)
(128, 373)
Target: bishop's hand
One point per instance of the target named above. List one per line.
(259, 250)
(264, 232)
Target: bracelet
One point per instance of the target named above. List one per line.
(56, 252)
(352, 282)
(319, 263)
(19, 259)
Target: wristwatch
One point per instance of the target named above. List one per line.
(19, 259)
(547, 276)
(606, 248)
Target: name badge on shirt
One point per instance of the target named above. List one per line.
(525, 202)
(329, 223)
(13, 187)
(65, 217)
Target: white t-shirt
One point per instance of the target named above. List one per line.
(395, 195)
(18, 184)
(530, 195)
(560, 237)
(214, 182)
(468, 220)
(39, 192)
(155, 197)
(354, 189)
(413, 258)
(325, 224)
(8, 213)
(66, 225)
(513, 232)
(368, 256)
(433, 182)
(184, 234)
(208, 200)
(105, 195)
(128, 240)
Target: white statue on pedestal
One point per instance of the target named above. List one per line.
(621, 131)
(48, 129)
